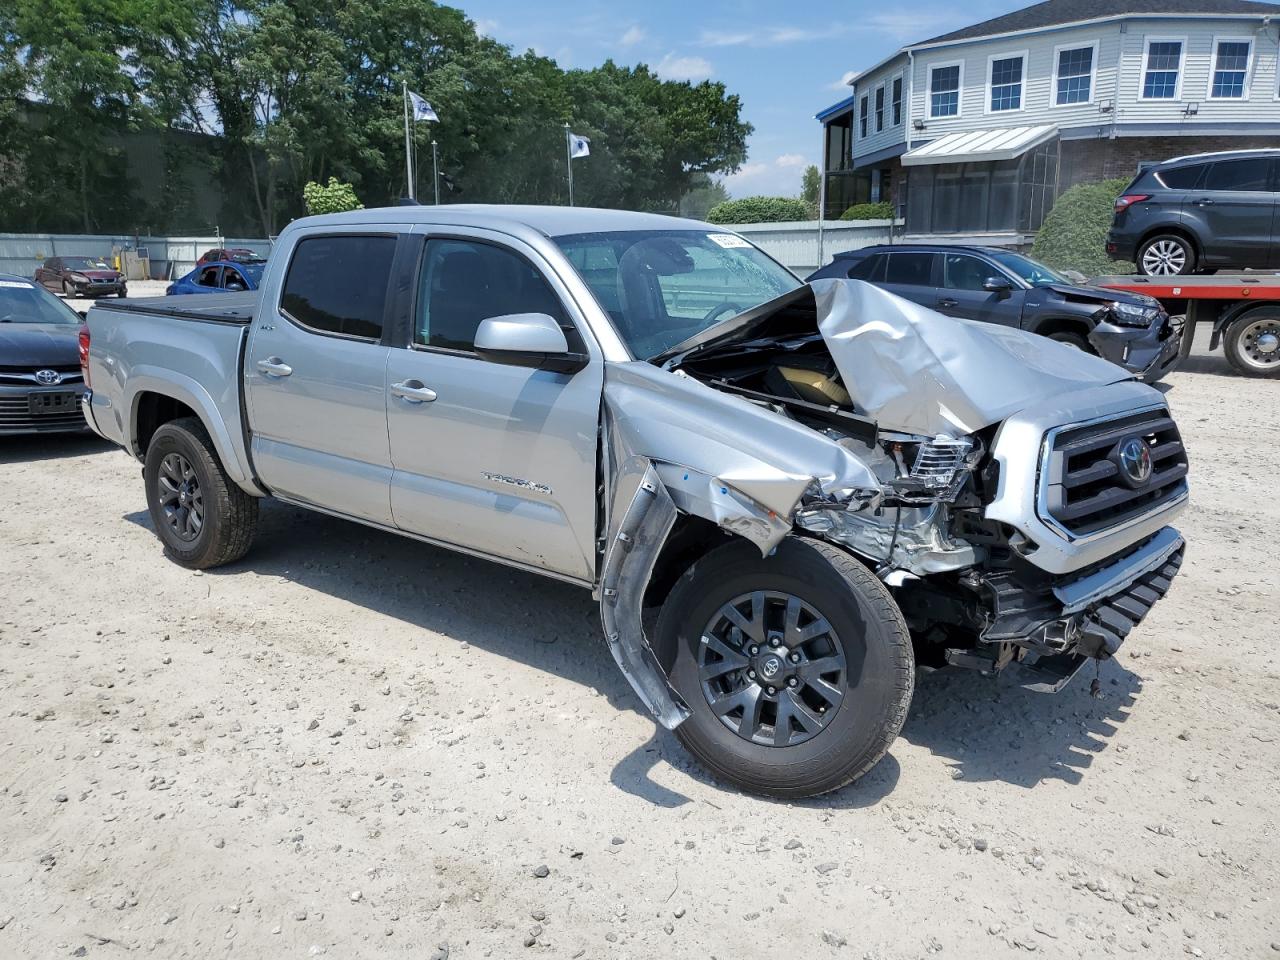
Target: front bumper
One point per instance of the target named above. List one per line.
(18, 416)
(1053, 630)
(102, 288)
(1149, 353)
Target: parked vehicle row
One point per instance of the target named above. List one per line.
(41, 383)
(785, 496)
(81, 277)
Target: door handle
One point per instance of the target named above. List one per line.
(274, 367)
(947, 302)
(1204, 202)
(413, 391)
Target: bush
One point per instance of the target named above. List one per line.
(337, 197)
(759, 210)
(1074, 233)
(869, 211)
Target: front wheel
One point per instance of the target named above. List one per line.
(797, 667)
(200, 515)
(1166, 255)
(1252, 343)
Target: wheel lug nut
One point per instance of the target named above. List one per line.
(751, 674)
(775, 642)
(771, 690)
(792, 681)
(754, 650)
(795, 658)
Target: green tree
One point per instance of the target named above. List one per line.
(810, 187)
(702, 196)
(1074, 234)
(334, 197)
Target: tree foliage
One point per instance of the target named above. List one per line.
(1074, 234)
(811, 188)
(334, 197)
(759, 210)
(881, 210)
(294, 91)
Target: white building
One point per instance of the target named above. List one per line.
(977, 131)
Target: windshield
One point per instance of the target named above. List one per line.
(84, 263)
(1036, 274)
(661, 287)
(244, 256)
(22, 302)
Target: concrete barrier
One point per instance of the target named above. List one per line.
(795, 244)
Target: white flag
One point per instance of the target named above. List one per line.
(421, 109)
(578, 146)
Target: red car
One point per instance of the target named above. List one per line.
(80, 277)
(234, 254)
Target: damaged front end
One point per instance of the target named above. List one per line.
(843, 413)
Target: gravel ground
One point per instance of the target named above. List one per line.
(356, 745)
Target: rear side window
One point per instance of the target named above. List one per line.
(339, 284)
(869, 268)
(1181, 178)
(464, 282)
(912, 269)
(1251, 174)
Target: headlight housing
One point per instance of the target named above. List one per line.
(79, 278)
(1133, 314)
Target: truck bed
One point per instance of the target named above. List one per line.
(237, 308)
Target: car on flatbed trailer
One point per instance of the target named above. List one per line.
(1244, 309)
(784, 496)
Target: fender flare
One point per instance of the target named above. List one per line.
(177, 386)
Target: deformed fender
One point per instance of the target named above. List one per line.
(630, 554)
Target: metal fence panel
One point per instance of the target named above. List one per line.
(795, 244)
(21, 253)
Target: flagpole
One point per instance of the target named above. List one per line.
(568, 155)
(408, 160)
(435, 169)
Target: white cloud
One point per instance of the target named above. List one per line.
(843, 83)
(775, 178)
(763, 37)
(694, 69)
(634, 35)
(486, 28)
(790, 160)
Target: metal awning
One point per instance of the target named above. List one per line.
(979, 145)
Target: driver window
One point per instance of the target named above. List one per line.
(464, 282)
(208, 277)
(231, 278)
(966, 273)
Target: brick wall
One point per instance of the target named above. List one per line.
(1084, 160)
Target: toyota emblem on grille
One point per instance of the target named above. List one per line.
(1135, 461)
(48, 377)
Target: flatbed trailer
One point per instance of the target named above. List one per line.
(1244, 309)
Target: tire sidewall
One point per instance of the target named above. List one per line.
(1234, 352)
(174, 439)
(871, 693)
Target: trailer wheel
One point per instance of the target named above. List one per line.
(1252, 343)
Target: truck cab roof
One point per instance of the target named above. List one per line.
(511, 218)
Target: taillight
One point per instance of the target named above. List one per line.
(1129, 199)
(84, 353)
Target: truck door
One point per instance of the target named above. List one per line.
(315, 376)
(489, 457)
(964, 293)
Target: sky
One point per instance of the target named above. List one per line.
(786, 61)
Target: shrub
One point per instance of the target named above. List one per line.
(1074, 233)
(869, 211)
(759, 210)
(336, 197)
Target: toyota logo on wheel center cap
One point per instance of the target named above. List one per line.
(1135, 461)
(770, 667)
(48, 377)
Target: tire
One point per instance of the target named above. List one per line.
(1072, 340)
(1166, 255)
(875, 680)
(1252, 343)
(227, 515)
(68, 290)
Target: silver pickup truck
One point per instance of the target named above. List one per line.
(786, 497)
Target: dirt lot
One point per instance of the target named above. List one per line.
(351, 744)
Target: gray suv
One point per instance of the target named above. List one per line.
(1202, 212)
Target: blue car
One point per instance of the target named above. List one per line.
(221, 276)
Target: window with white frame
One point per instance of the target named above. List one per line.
(944, 91)
(897, 100)
(1074, 82)
(862, 116)
(879, 108)
(1005, 87)
(1230, 68)
(1161, 73)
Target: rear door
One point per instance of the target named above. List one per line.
(962, 293)
(490, 457)
(1236, 205)
(910, 274)
(315, 375)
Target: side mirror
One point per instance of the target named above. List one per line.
(527, 340)
(235, 287)
(997, 285)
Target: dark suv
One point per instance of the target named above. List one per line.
(1200, 212)
(1000, 286)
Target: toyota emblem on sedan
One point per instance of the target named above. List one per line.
(1135, 461)
(48, 377)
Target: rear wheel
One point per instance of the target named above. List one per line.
(202, 518)
(1166, 254)
(797, 667)
(1252, 343)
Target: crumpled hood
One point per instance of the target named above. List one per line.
(914, 370)
(39, 344)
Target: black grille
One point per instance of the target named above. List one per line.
(16, 415)
(1087, 490)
